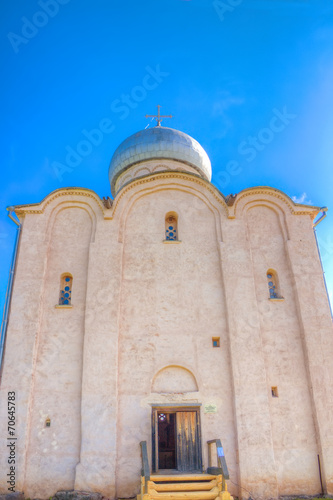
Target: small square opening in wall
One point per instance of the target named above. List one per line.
(275, 393)
(216, 341)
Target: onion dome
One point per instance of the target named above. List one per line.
(159, 143)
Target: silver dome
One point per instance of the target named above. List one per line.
(156, 143)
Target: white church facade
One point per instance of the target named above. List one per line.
(170, 315)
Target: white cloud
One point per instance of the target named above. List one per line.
(302, 199)
(220, 110)
(225, 102)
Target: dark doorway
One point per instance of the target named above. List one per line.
(167, 440)
(176, 439)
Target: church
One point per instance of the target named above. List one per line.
(168, 342)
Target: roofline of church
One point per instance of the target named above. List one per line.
(69, 188)
(230, 200)
(282, 192)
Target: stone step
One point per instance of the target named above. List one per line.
(183, 486)
(182, 477)
(184, 495)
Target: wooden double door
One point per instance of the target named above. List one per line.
(176, 439)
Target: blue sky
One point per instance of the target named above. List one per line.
(225, 69)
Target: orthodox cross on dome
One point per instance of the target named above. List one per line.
(159, 117)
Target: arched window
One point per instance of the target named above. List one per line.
(65, 297)
(273, 285)
(171, 229)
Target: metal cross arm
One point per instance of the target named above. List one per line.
(159, 117)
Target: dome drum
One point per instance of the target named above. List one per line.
(151, 167)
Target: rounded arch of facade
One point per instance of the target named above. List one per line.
(278, 199)
(271, 205)
(199, 197)
(174, 379)
(67, 205)
(65, 194)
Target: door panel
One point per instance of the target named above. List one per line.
(187, 441)
(167, 440)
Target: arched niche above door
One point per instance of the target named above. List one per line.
(173, 380)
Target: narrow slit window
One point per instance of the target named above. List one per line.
(65, 297)
(171, 227)
(275, 393)
(216, 341)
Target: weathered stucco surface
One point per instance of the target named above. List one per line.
(140, 334)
